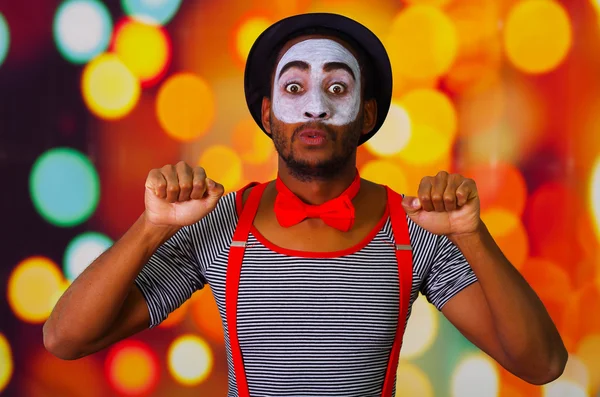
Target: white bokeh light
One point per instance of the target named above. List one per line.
(393, 135)
(422, 329)
(475, 376)
(190, 360)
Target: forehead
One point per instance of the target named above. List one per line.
(299, 39)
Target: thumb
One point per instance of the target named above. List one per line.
(411, 204)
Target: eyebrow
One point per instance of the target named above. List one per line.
(294, 64)
(328, 67)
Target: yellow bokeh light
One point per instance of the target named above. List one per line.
(6, 362)
(436, 3)
(109, 88)
(190, 360)
(588, 352)
(426, 145)
(247, 33)
(509, 233)
(422, 42)
(393, 135)
(133, 369)
(185, 106)
(143, 48)
(431, 108)
(412, 381)
(595, 196)
(33, 287)
(421, 330)
(386, 173)
(476, 375)
(537, 35)
(222, 165)
(252, 144)
(564, 388)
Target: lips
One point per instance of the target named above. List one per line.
(312, 133)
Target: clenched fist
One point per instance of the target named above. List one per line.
(179, 195)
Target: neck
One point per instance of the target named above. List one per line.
(317, 191)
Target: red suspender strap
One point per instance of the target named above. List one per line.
(232, 282)
(405, 261)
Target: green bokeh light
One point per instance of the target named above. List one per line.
(151, 11)
(4, 38)
(64, 187)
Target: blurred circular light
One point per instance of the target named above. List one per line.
(386, 173)
(151, 11)
(253, 146)
(422, 42)
(206, 316)
(222, 165)
(595, 196)
(82, 29)
(431, 108)
(247, 33)
(190, 360)
(6, 362)
(509, 233)
(4, 38)
(32, 288)
(588, 351)
(563, 388)
(492, 180)
(64, 187)
(537, 35)
(109, 88)
(477, 376)
(82, 251)
(577, 372)
(185, 107)
(144, 49)
(421, 330)
(426, 145)
(132, 368)
(436, 3)
(176, 317)
(394, 133)
(412, 381)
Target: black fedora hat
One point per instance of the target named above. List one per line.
(260, 62)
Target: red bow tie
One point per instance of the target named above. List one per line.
(337, 213)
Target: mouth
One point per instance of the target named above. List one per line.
(313, 137)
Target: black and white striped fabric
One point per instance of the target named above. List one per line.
(309, 324)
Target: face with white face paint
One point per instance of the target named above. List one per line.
(317, 86)
(317, 79)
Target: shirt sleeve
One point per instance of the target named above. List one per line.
(449, 274)
(178, 267)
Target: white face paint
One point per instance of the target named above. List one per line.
(301, 95)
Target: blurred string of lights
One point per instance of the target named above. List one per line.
(432, 44)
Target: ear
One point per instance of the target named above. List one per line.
(266, 114)
(370, 115)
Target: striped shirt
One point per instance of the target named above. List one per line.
(309, 324)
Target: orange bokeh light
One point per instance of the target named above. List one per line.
(185, 107)
(132, 368)
(578, 321)
(251, 143)
(176, 317)
(499, 185)
(144, 49)
(205, 315)
(509, 233)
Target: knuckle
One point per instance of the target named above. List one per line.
(173, 188)
(449, 199)
(436, 197)
(425, 198)
(185, 186)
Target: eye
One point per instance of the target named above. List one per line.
(337, 88)
(293, 88)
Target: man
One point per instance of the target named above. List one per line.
(314, 273)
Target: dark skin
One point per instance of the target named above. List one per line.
(500, 313)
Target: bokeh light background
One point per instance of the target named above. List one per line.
(94, 94)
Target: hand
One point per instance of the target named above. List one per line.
(177, 195)
(447, 204)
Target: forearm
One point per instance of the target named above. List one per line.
(93, 301)
(524, 329)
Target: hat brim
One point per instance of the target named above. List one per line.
(257, 75)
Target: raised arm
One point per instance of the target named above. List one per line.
(103, 305)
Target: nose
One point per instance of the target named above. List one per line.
(316, 108)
